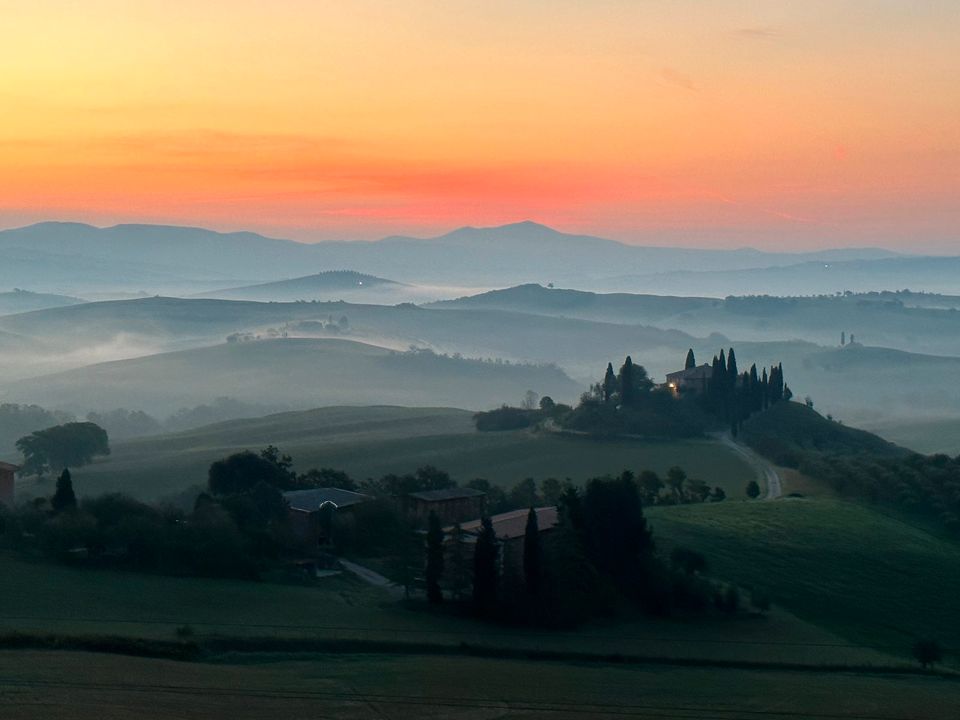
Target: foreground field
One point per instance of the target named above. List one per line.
(866, 576)
(36, 685)
(47, 599)
(374, 441)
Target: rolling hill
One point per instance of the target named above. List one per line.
(292, 372)
(897, 320)
(374, 441)
(18, 301)
(329, 285)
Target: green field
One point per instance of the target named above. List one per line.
(36, 685)
(871, 578)
(373, 441)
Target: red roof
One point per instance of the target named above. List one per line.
(513, 524)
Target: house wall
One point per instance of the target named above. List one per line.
(449, 511)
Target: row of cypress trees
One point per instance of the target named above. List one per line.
(734, 396)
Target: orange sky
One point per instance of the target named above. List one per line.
(713, 124)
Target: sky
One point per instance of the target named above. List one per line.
(778, 125)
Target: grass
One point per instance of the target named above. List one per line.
(373, 441)
(42, 684)
(868, 577)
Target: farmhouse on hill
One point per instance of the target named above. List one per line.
(450, 504)
(8, 484)
(690, 381)
(311, 512)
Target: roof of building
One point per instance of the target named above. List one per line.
(695, 373)
(513, 524)
(8, 466)
(311, 500)
(455, 493)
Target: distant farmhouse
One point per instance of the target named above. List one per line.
(8, 484)
(510, 529)
(312, 511)
(450, 505)
(692, 381)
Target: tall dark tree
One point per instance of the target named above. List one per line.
(615, 531)
(764, 391)
(609, 386)
(628, 392)
(691, 360)
(532, 555)
(434, 569)
(485, 567)
(732, 371)
(64, 498)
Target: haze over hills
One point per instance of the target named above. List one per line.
(18, 301)
(73, 258)
(905, 321)
(295, 373)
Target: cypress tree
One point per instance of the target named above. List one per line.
(764, 391)
(64, 498)
(732, 371)
(609, 386)
(532, 559)
(434, 569)
(628, 391)
(485, 570)
(691, 360)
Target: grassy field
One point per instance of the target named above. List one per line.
(866, 576)
(373, 441)
(37, 685)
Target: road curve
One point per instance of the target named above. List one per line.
(763, 466)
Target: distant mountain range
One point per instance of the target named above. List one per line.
(73, 259)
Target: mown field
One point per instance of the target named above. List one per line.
(374, 441)
(864, 575)
(36, 685)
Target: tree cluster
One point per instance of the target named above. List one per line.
(732, 396)
(55, 448)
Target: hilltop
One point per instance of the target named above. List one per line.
(319, 286)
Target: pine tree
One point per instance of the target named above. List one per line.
(64, 498)
(434, 569)
(691, 360)
(609, 387)
(532, 554)
(485, 567)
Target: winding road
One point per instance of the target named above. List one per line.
(764, 467)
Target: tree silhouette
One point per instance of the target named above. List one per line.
(64, 498)
(609, 386)
(691, 360)
(434, 569)
(532, 554)
(485, 567)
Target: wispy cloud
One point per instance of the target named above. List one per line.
(758, 32)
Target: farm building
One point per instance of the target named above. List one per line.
(691, 381)
(312, 511)
(510, 529)
(7, 484)
(450, 504)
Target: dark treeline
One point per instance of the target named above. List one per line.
(599, 560)
(627, 401)
(733, 396)
(859, 464)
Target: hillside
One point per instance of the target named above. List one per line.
(329, 285)
(136, 327)
(290, 372)
(18, 301)
(905, 321)
(374, 441)
(867, 577)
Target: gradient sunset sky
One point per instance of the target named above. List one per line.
(771, 124)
